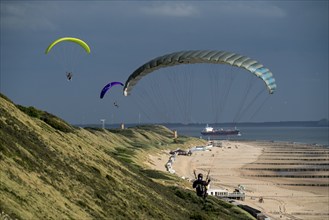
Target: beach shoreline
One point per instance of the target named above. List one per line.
(292, 178)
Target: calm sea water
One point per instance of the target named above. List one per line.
(306, 134)
(309, 135)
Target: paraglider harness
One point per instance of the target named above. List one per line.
(200, 185)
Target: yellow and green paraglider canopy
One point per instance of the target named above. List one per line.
(78, 41)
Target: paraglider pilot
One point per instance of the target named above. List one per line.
(69, 76)
(201, 185)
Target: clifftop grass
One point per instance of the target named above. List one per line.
(50, 119)
(52, 170)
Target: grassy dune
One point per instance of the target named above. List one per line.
(52, 170)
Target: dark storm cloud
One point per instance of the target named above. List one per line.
(289, 37)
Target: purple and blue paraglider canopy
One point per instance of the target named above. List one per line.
(108, 86)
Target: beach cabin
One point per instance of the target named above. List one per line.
(223, 193)
(237, 194)
(209, 146)
(181, 152)
(198, 148)
(218, 192)
(169, 167)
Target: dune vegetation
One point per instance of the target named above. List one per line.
(53, 170)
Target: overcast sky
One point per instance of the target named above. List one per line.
(288, 37)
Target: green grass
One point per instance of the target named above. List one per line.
(48, 118)
(91, 173)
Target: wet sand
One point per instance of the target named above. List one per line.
(292, 179)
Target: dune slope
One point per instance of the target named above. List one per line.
(52, 170)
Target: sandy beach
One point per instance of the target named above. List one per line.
(292, 178)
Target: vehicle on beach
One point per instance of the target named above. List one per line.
(211, 131)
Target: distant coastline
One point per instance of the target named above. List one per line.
(319, 123)
(308, 132)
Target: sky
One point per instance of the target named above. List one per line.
(288, 37)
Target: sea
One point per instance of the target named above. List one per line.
(315, 135)
(308, 135)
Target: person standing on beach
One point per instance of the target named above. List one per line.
(201, 186)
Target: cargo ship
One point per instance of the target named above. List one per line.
(211, 131)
